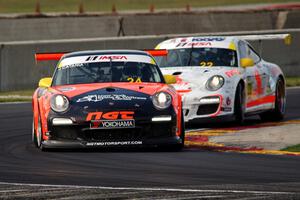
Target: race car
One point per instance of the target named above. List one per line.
(108, 98)
(223, 78)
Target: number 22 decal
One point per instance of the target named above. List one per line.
(206, 64)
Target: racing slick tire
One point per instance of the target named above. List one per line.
(38, 136)
(278, 112)
(34, 138)
(179, 147)
(239, 105)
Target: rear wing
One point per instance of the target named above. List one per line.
(57, 56)
(287, 38)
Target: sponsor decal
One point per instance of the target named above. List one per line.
(70, 66)
(115, 57)
(181, 86)
(226, 109)
(125, 115)
(232, 72)
(228, 101)
(66, 89)
(111, 124)
(205, 39)
(116, 143)
(193, 44)
(114, 97)
(183, 40)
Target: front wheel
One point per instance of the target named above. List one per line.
(39, 135)
(239, 105)
(33, 136)
(278, 112)
(179, 147)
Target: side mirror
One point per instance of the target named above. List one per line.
(170, 79)
(45, 82)
(247, 62)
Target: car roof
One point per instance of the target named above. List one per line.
(227, 42)
(106, 56)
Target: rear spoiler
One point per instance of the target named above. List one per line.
(57, 56)
(287, 38)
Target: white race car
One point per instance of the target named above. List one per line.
(224, 77)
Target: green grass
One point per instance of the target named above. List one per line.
(19, 92)
(21, 99)
(28, 6)
(292, 81)
(295, 148)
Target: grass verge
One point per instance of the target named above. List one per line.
(295, 148)
(16, 96)
(28, 6)
(292, 81)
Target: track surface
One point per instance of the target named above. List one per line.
(204, 171)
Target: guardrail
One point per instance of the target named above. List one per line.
(18, 69)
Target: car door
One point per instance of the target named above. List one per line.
(255, 77)
(261, 73)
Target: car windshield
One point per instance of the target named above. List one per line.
(103, 72)
(204, 57)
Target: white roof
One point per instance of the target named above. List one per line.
(198, 42)
(79, 60)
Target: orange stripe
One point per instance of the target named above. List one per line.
(263, 100)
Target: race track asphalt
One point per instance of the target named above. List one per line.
(216, 174)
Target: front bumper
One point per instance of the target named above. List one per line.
(65, 144)
(205, 109)
(145, 133)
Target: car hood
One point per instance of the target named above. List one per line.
(190, 78)
(80, 89)
(85, 98)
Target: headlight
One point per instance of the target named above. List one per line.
(214, 83)
(161, 100)
(59, 103)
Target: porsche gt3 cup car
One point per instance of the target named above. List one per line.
(224, 78)
(106, 98)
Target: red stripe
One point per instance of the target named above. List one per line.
(57, 56)
(157, 52)
(48, 56)
(183, 91)
(263, 100)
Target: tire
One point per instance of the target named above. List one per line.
(278, 112)
(179, 147)
(39, 137)
(33, 136)
(239, 105)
